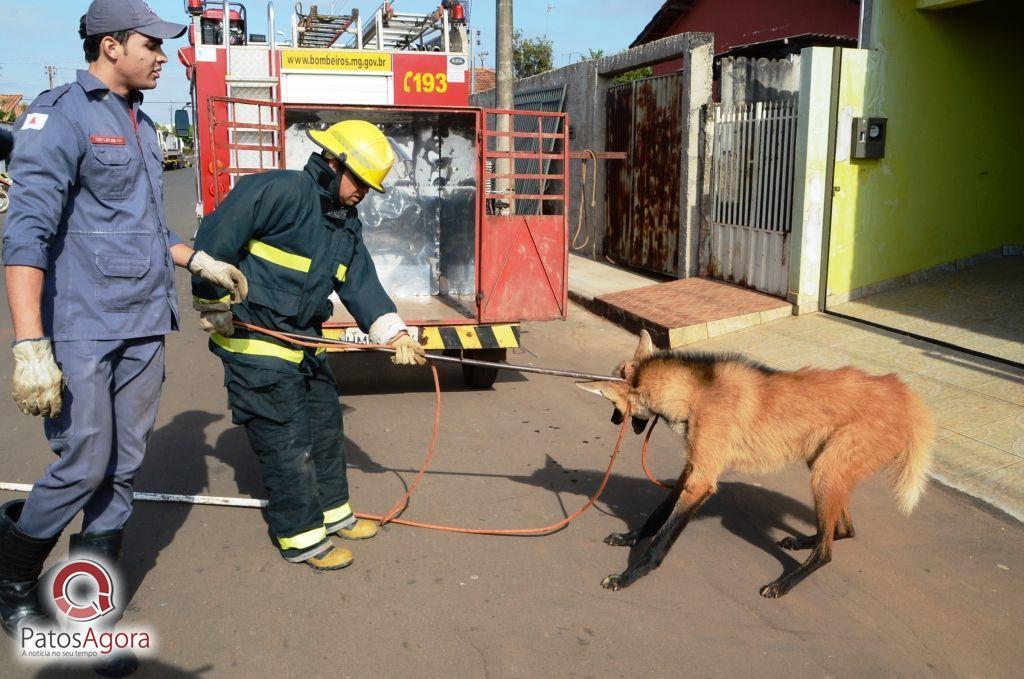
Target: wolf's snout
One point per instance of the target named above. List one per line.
(638, 425)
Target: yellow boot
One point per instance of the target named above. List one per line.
(360, 530)
(331, 560)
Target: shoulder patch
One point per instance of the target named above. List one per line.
(34, 121)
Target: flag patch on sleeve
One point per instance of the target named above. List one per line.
(35, 121)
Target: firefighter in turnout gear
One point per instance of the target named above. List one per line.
(297, 237)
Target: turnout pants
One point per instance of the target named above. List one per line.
(110, 400)
(294, 426)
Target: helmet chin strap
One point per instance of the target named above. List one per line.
(335, 186)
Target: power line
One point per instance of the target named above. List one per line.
(36, 63)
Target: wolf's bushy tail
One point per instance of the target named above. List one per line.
(910, 469)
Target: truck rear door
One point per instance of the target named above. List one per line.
(523, 242)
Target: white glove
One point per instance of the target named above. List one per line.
(407, 351)
(218, 322)
(220, 273)
(37, 379)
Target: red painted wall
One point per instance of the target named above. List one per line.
(742, 22)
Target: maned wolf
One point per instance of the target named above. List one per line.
(737, 414)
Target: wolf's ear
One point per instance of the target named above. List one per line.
(645, 348)
(613, 391)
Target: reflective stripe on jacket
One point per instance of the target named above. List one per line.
(281, 229)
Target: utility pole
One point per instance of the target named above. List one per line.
(503, 97)
(473, 40)
(503, 41)
(50, 72)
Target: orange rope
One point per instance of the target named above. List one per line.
(391, 516)
(643, 458)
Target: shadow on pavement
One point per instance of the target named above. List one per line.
(232, 449)
(148, 667)
(177, 451)
(748, 512)
(374, 374)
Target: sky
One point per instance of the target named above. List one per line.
(32, 37)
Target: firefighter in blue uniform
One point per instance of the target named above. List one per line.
(89, 264)
(297, 237)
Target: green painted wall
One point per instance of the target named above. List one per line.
(951, 183)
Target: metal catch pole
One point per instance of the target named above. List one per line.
(516, 368)
(468, 361)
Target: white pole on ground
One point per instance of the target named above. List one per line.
(253, 503)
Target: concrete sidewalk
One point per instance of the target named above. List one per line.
(978, 404)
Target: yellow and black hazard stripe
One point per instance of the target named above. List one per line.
(470, 337)
(503, 336)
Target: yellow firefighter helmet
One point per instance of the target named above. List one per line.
(361, 147)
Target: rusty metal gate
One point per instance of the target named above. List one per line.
(643, 195)
(752, 193)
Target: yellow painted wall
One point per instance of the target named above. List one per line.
(951, 184)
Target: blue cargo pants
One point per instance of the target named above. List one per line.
(110, 400)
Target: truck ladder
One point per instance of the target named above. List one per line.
(401, 31)
(323, 30)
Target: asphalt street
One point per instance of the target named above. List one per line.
(938, 594)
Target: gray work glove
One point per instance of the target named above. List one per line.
(37, 379)
(218, 322)
(221, 274)
(407, 351)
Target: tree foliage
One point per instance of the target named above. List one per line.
(530, 56)
(635, 74)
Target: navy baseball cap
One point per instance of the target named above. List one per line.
(112, 16)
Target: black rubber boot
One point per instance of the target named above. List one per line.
(21, 561)
(106, 546)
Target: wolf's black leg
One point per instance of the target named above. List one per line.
(685, 507)
(833, 520)
(844, 529)
(805, 542)
(627, 539)
(654, 520)
(821, 555)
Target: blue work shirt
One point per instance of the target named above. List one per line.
(87, 208)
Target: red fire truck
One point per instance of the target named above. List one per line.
(470, 238)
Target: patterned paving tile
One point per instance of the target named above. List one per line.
(1003, 487)
(879, 342)
(1008, 389)
(1006, 434)
(959, 459)
(978, 308)
(961, 412)
(930, 389)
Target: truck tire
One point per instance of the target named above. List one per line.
(476, 376)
